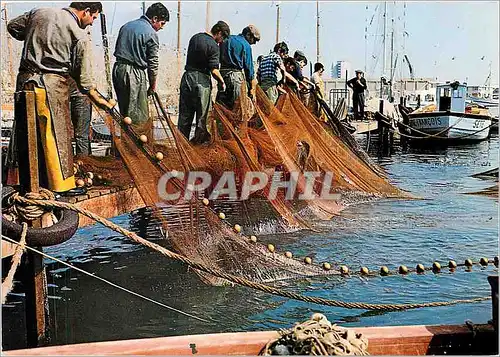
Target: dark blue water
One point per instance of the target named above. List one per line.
(446, 224)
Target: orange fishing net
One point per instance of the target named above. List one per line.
(252, 137)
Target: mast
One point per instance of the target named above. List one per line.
(317, 31)
(384, 38)
(143, 5)
(393, 67)
(207, 16)
(179, 37)
(277, 22)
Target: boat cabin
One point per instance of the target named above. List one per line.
(451, 97)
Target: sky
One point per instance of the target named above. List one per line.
(443, 40)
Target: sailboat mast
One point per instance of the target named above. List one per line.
(317, 30)
(383, 39)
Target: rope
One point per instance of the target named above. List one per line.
(101, 279)
(29, 213)
(318, 336)
(8, 283)
(236, 279)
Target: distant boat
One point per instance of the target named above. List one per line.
(450, 119)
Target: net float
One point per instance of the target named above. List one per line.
(79, 163)
(483, 261)
(112, 102)
(403, 269)
(127, 120)
(90, 175)
(288, 254)
(253, 239)
(327, 266)
(436, 267)
(99, 177)
(468, 262)
(452, 264)
(222, 215)
(80, 183)
(205, 201)
(364, 271)
(270, 248)
(88, 181)
(307, 260)
(344, 269)
(420, 268)
(237, 228)
(75, 170)
(384, 271)
(159, 156)
(143, 138)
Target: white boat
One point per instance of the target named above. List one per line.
(450, 120)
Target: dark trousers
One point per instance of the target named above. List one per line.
(358, 105)
(81, 115)
(234, 80)
(131, 87)
(195, 99)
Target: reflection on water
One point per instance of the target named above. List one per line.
(445, 224)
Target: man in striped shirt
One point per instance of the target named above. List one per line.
(268, 71)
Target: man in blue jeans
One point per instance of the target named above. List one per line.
(81, 115)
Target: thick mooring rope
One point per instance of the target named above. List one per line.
(318, 336)
(8, 283)
(237, 279)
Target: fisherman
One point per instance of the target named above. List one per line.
(237, 65)
(136, 53)
(320, 91)
(81, 113)
(56, 47)
(268, 68)
(301, 61)
(358, 86)
(202, 63)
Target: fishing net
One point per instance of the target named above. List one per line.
(252, 137)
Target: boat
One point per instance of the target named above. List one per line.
(450, 119)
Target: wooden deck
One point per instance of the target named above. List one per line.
(388, 340)
(107, 202)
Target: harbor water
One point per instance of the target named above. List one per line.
(445, 224)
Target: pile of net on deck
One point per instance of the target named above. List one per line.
(251, 137)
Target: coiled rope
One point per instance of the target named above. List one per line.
(237, 279)
(8, 283)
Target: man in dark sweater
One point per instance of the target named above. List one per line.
(202, 63)
(136, 53)
(358, 86)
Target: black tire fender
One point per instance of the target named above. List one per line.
(58, 233)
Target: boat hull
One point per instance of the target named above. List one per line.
(388, 340)
(462, 126)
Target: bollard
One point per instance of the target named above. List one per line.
(493, 280)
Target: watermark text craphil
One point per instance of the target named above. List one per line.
(305, 186)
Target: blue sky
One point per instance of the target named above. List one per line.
(445, 40)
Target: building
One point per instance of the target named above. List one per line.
(340, 68)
